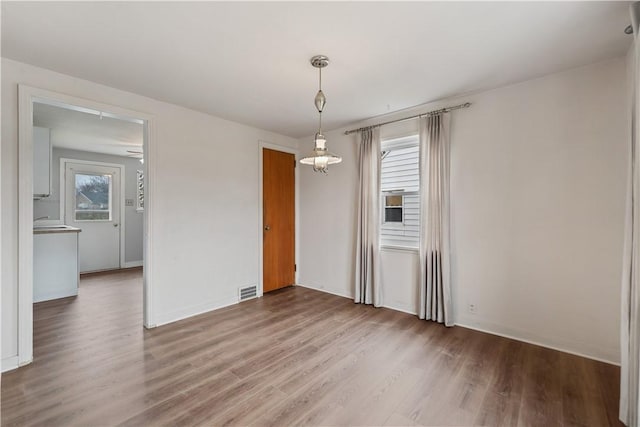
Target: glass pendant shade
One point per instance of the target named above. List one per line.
(321, 158)
(320, 141)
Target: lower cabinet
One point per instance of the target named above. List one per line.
(55, 265)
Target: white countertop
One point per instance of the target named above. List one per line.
(45, 229)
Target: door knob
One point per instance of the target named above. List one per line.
(115, 225)
(267, 228)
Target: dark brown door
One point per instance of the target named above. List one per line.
(278, 219)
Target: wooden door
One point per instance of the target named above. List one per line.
(278, 219)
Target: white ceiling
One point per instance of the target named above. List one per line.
(88, 132)
(248, 62)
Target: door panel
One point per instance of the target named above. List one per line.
(278, 175)
(92, 203)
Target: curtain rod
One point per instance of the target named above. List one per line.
(428, 113)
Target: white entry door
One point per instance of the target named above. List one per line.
(92, 194)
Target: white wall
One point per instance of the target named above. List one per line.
(327, 219)
(206, 201)
(538, 182)
(133, 219)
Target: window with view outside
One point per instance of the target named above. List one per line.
(393, 208)
(400, 187)
(93, 197)
(140, 190)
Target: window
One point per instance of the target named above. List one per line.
(139, 190)
(93, 197)
(400, 187)
(393, 206)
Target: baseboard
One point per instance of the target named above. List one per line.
(538, 343)
(351, 298)
(488, 330)
(56, 295)
(400, 309)
(9, 363)
(132, 264)
(194, 310)
(325, 291)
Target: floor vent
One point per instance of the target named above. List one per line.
(248, 292)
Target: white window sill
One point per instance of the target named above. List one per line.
(392, 248)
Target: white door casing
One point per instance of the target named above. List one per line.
(93, 203)
(26, 96)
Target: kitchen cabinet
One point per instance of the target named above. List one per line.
(55, 262)
(41, 162)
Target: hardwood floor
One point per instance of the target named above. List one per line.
(294, 357)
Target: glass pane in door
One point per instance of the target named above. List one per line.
(93, 197)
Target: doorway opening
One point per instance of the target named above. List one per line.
(83, 200)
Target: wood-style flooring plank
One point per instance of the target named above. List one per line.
(294, 357)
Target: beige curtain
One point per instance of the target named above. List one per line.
(367, 275)
(435, 274)
(630, 310)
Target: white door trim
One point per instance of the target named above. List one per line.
(295, 152)
(63, 195)
(26, 96)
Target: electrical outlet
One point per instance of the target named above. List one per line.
(473, 309)
(128, 202)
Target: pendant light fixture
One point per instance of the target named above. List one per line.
(321, 158)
